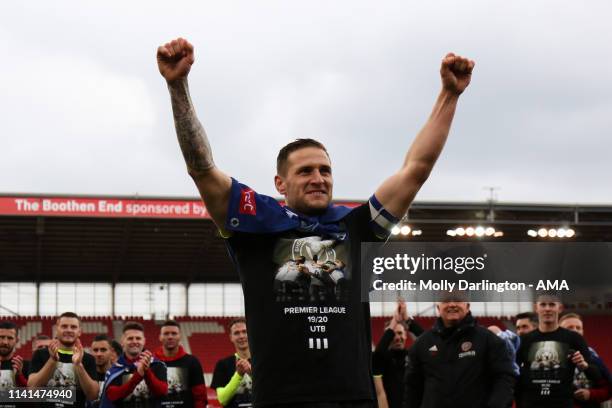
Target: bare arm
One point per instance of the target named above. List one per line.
(90, 387)
(42, 377)
(174, 60)
(381, 395)
(397, 192)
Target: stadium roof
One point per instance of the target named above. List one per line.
(147, 239)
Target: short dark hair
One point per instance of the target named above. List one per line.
(235, 321)
(533, 317)
(171, 323)
(297, 144)
(102, 337)
(133, 326)
(116, 346)
(42, 337)
(70, 315)
(7, 325)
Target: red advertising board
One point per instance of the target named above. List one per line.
(102, 207)
(112, 207)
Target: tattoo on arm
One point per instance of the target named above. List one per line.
(190, 132)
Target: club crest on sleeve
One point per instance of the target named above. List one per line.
(247, 202)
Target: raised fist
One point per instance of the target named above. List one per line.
(456, 73)
(174, 59)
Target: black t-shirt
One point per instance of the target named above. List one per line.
(309, 336)
(100, 377)
(224, 370)
(183, 374)
(8, 380)
(64, 375)
(547, 372)
(391, 365)
(7, 376)
(141, 397)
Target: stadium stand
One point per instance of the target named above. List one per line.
(207, 337)
(39, 247)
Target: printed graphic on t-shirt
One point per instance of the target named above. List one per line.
(140, 394)
(177, 380)
(581, 380)
(63, 376)
(7, 379)
(310, 269)
(547, 361)
(243, 397)
(246, 385)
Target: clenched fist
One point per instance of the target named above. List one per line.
(174, 59)
(243, 366)
(456, 73)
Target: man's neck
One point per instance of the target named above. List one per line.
(170, 352)
(132, 357)
(8, 357)
(244, 353)
(548, 327)
(66, 347)
(451, 323)
(103, 368)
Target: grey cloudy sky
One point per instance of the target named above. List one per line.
(84, 110)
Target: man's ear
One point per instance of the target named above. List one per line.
(279, 183)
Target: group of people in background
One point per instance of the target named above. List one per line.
(546, 363)
(124, 373)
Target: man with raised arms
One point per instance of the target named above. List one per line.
(305, 360)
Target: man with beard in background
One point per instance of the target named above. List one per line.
(105, 355)
(186, 386)
(12, 369)
(64, 363)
